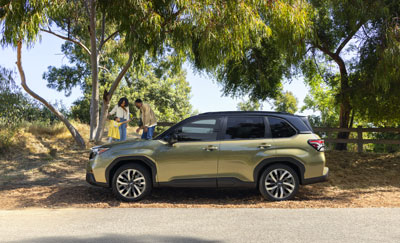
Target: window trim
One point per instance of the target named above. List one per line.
(225, 125)
(294, 128)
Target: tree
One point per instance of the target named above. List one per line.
(166, 90)
(359, 40)
(249, 105)
(20, 21)
(286, 102)
(259, 73)
(208, 32)
(370, 26)
(321, 97)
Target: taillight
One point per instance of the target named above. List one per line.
(318, 144)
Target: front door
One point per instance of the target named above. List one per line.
(192, 160)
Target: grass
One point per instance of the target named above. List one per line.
(32, 176)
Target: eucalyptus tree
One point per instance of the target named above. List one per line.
(207, 32)
(20, 22)
(158, 82)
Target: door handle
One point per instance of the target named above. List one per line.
(264, 146)
(210, 148)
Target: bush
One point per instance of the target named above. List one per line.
(17, 108)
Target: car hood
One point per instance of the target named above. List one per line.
(131, 143)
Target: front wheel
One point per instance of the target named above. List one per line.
(279, 182)
(131, 182)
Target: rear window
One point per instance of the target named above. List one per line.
(280, 128)
(245, 128)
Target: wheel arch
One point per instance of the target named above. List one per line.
(142, 160)
(295, 164)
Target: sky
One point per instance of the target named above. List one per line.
(206, 93)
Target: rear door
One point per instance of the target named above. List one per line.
(245, 141)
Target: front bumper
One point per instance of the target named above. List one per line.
(92, 181)
(317, 179)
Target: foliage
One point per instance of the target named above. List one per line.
(322, 95)
(80, 109)
(249, 105)
(17, 108)
(158, 82)
(259, 72)
(368, 32)
(286, 102)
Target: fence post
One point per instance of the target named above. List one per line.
(359, 138)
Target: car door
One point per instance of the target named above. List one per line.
(192, 160)
(245, 142)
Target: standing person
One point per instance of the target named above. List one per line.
(148, 119)
(122, 112)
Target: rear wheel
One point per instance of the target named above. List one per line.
(279, 182)
(131, 182)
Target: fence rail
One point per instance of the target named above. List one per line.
(359, 130)
(359, 140)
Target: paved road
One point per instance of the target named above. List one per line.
(200, 225)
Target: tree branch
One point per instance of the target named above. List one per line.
(121, 75)
(108, 95)
(103, 27)
(348, 38)
(75, 134)
(173, 17)
(87, 8)
(68, 39)
(326, 51)
(108, 38)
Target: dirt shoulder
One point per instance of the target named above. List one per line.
(57, 180)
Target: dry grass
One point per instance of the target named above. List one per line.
(32, 176)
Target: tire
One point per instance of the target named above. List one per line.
(131, 182)
(279, 189)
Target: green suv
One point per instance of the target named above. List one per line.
(274, 152)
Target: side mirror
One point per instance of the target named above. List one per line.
(173, 138)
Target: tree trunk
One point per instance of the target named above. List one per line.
(103, 117)
(345, 106)
(107, 98)
(94, 104)
(75, 134)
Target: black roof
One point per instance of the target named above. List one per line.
(248, 113)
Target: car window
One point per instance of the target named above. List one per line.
(199, 130)
(245, 128)
(280, 128)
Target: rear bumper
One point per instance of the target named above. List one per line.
(92, 181)
(317, 179)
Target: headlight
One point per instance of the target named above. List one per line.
(96, 151)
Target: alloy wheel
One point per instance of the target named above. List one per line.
(130, 183)
(279, 183)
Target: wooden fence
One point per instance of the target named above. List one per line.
(329, 130)
(359, 140)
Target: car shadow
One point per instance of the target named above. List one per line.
(118, 238)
